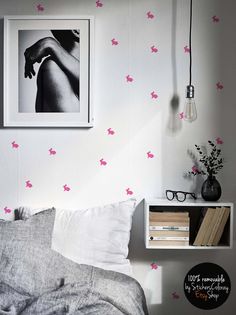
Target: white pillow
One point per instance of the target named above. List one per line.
(98, 236)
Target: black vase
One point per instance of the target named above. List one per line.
(211, 190)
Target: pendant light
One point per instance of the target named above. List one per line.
(190, 111)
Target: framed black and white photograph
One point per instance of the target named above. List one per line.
(48, 71)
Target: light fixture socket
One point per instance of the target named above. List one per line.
(190, 91)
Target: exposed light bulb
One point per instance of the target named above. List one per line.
(190, 111)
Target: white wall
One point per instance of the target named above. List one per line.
(141, 124)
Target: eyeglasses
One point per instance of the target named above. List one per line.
(179, 195)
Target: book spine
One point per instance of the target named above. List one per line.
(209, 227)
(169, 214)
(168, 219)
(221, 227)
(169, 238)
(168, 228)
(169, 223)
(168, 243)
(177, 213)
(216, 222)
(203, 227)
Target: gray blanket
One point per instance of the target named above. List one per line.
(37, 280)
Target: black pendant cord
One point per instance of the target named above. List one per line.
(190, 44)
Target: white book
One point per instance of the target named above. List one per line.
(168, 228)
(168, 238)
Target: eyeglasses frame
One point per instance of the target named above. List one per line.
(174, 192)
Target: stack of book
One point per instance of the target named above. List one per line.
(168, 228)
(212, 227)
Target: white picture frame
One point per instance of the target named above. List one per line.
(21, 101)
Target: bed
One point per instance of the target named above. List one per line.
(36, 279)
